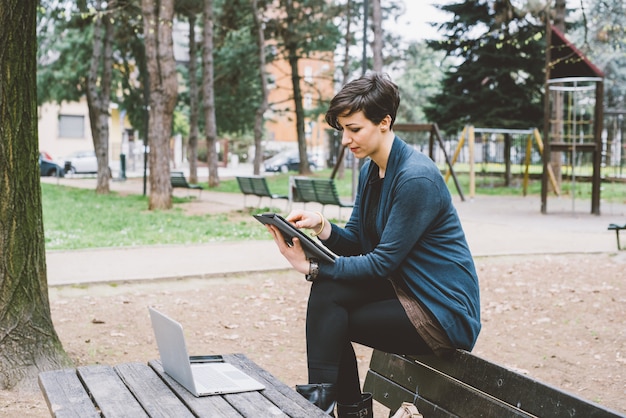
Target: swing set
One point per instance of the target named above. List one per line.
(573, 124)
(468, 135)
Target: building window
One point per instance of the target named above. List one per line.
(308, 101)
(71, 126)
(308, 74)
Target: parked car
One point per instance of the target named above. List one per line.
(285, 161)
(81, 162)
(49, 167)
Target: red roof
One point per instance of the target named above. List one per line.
(569, 61)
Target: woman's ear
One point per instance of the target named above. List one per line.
(385, 124)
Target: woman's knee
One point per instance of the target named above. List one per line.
(349, 293)
(323, 292)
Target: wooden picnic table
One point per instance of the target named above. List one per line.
(144, 390)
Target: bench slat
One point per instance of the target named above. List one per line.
(449, 393)
(65, 395)
(318, 190)
(177, 179)
(257, 186)
(209, 406)
(109, 392)
(151, 392)
(464, 382)
(326, 193)
(304, 191)
(391, 395)
(515, 389)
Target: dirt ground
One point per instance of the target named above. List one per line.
(557, 318)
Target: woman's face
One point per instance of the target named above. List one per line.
(361, 135)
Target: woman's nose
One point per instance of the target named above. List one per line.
(345, 138)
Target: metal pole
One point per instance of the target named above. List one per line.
(146, 117)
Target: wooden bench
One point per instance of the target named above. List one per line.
(617, 228)
(257, 186)
(323, 191)
(144, 390)
(468, 386)
(177, 179)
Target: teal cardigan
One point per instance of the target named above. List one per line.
(421, 242)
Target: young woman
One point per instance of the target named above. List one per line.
(405, 280)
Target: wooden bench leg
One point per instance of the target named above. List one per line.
(617, 229)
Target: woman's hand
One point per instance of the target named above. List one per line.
(311, 220)
(294, 253)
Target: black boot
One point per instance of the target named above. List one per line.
(362, 409)
(322, 395)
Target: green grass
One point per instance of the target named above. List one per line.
(78, 218)
(487, 183)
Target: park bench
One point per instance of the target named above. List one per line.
(468, 386)
(323, 191)
(257, 186)
(145, 390)
(177, 179)
(617, 228)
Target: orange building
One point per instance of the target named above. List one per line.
(316, 83)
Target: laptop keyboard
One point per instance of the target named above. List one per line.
(210, 378)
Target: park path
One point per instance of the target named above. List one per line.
(494, 226)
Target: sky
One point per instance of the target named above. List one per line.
(413, 25)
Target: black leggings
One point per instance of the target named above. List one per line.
(367, 312)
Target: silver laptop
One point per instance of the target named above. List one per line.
(205, 375)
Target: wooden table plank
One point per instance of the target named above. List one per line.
(151, 392)
(254, 404)
(247, 404)
(206, 406)
(109, 392)
(141, 390)
(65, 395)
(286, 398)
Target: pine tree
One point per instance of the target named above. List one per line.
(499, 77)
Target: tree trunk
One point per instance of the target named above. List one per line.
(99, 94)
(345, 68)
(297, 99)
(263, 105)
(158, 21)
(559, 15)
(194, 111)
(557, 156)
(292, 52)
(28, 341)
(340, 169)
(208, 92)
(377, 25)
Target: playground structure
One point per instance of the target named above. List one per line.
(517, 147)
(573, 129)
(511, 156)
(573, 117)
(573, 132)
(522, 153)
(433, 135)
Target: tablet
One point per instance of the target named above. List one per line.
(311, 248)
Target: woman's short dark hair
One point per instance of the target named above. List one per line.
(373, 93)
